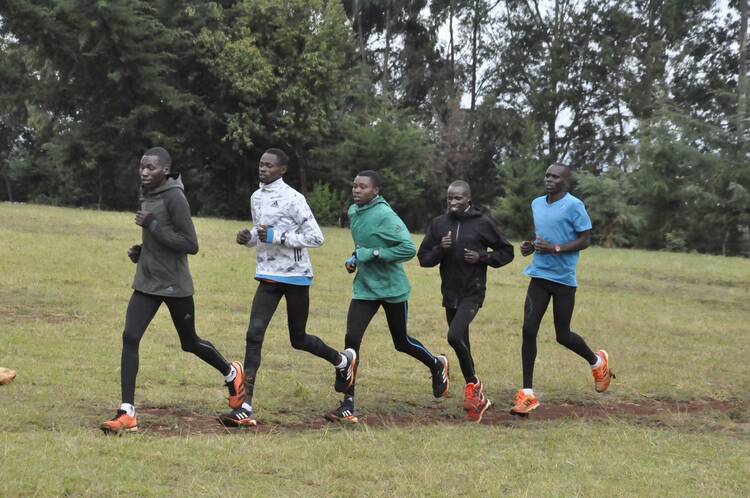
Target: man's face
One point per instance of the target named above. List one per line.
(269, 169)
(556, 179)
(458, 199)
(152, 171)
(363, 190)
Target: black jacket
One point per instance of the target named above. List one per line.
(472, 230)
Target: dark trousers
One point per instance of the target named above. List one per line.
(563, 297)
(396, 314)
(141, 310)
(458, 335)
(265, 302)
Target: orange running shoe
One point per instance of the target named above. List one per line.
(525, 403)
(602, 374)
(121, 422)
(236, 387)
(473, 394)
(475, 414)
(344, 414)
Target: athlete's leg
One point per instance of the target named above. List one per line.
(359, 317)
(563, 302)
(297, 308)
(141, 310)
(397, 315)
(537, 300)
(458, 336)
(182, 310)
(265, 301)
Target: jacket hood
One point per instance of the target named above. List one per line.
(378, 199)
(472, 212)
(169, 183)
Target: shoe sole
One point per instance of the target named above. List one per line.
(351, 419)
(611, 373)
(237, 399)
(447, 378)
(523, 414)
(481, 413)
(230, 422)
(354, 373)
(111, 432)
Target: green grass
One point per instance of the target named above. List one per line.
(676, 327)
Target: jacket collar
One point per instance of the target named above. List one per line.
(274, 186)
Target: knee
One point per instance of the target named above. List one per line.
(455, 340)
(563, 338)
(401, 346)
(189, 346)
(298, 342)
(130, 340)
(529, 332)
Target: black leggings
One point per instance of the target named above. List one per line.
(563, 300)
(396, 314)
(265, 302)
(141, 310)
(458, 335)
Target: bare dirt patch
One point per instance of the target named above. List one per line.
(165, 422)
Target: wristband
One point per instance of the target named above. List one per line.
(269, 236)
(556, 249)
(351, 261)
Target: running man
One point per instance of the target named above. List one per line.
(563, 229)
(382, 243)
(459, 241)
(162, 275)
(284, 227)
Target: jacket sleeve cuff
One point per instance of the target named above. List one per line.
(364, 254)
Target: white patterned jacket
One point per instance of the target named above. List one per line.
(280, 207)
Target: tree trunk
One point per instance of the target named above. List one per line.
(302, 162)
(387, 51)
(8, 187)
(360, 33)
(742, 83)
(475, 53)
(451, 46)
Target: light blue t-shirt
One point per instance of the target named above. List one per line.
(558, 223)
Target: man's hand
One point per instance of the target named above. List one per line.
(134, 253)
(351, 264)
(542, 246)
(143, 218)
(244, 236)
(527, 248)
(446, 242)
(262, 233)
(471, 257)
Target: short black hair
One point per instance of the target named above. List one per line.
(374, 177)
(463, 185)
(564, 166)
(161, 154)
(281, 156)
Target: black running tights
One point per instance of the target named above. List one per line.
(396, 314)
(458, 335)
(141, 310)
(265, 302)
(563, 301)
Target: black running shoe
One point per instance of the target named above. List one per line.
(345, 376)
(440, 378)
(238, 418)
(344, 413)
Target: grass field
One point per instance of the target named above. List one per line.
(676, 327)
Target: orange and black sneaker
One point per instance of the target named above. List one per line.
(525, 403)
(238, 418)
(476, 412)
(344, 413)
(236, 387)
(345, 376)
(473, 394)
(121, 422)
(602, 374)
(440, 377)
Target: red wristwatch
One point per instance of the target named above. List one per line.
(556, 249)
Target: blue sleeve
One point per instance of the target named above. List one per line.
(580, 218)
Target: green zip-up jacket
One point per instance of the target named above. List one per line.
(382, 277)
(168, 237)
